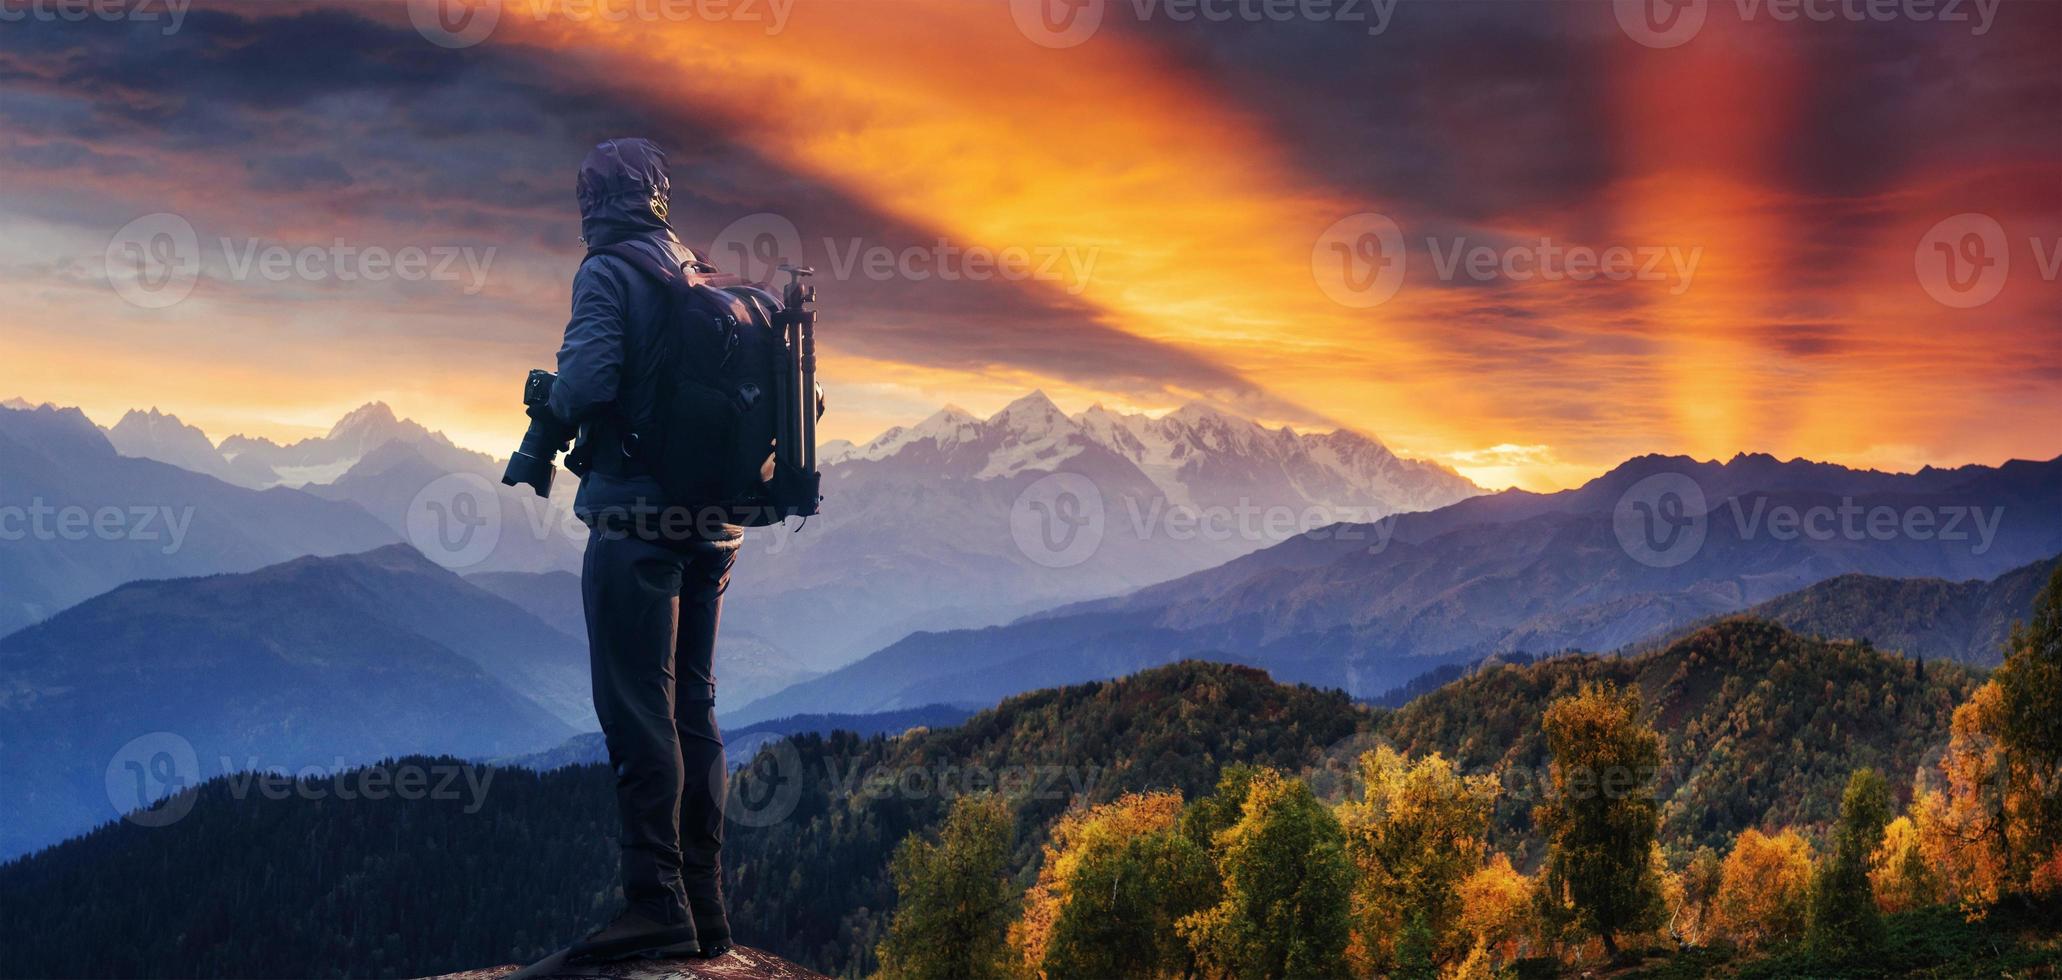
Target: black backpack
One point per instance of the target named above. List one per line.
(726, 388)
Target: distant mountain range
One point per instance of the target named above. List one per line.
(917, 530)
(918, 533)
(314, 662)
(154, 435)
(92, 519)
(1368, 607)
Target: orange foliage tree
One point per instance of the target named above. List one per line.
(1764, 888)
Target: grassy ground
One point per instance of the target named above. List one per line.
(2017, 940)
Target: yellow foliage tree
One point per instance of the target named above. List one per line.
(1418, 832)
(1898, 871)
(1078, 836)
(1764, 888)
(1478, 965)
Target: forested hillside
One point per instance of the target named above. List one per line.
(402, 888)
(1928, 618)
(1759, 725)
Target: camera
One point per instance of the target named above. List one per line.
(542, 443)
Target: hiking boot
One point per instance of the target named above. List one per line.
(712, 949)
(633, 935)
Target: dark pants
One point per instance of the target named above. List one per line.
(651, 632)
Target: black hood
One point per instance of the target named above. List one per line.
(624, 193)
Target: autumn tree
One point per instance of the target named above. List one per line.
(1993, 825)
(1496, 911)
(955, 898)
(1764, 888)
(1115, 880)
(2027, 723)
(1420, 829)
(1700, 879)
(1898, 873)
(1286, 880)
(1843, 903)
(1600, 817)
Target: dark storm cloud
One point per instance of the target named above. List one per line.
(1464, 111)
(321, 114)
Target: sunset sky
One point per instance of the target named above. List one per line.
(1184, 182)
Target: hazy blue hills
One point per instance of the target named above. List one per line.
(313, 662)
(1368, 607)
(82, 519)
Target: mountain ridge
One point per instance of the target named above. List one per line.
(312, 661)
(1368, 607)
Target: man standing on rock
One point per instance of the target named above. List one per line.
(652, 589)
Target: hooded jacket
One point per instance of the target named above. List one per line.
(608, 365)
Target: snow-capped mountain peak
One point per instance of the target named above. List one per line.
(163, 437)
(371, 415)
(943, 430)
(1035, 414)
(1196, 456)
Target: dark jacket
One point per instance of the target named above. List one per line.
(609, 361)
